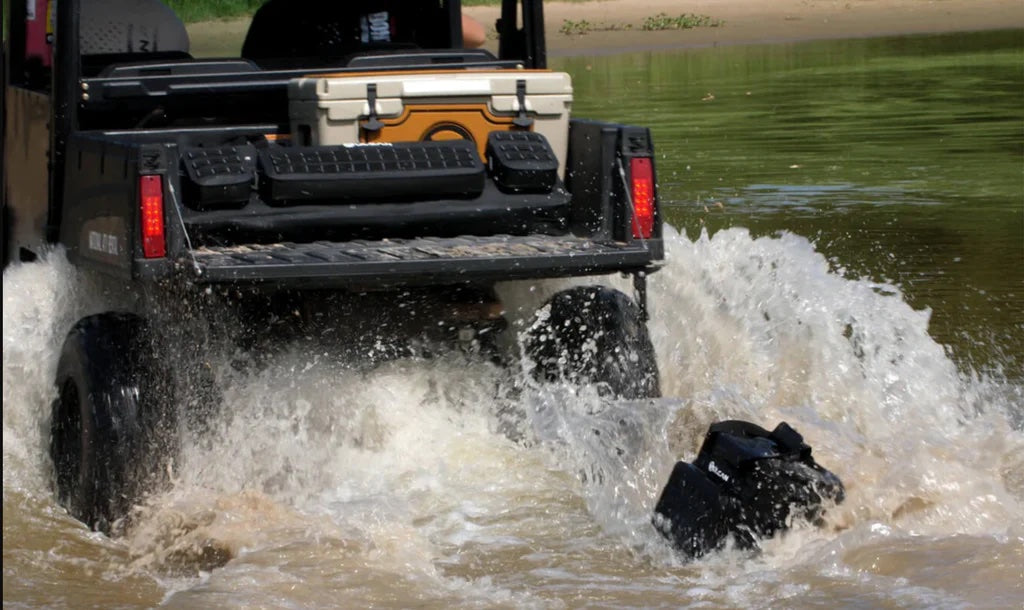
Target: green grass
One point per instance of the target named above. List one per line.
(204, 10)
(686, 21)
(570, 27)
(661, 21)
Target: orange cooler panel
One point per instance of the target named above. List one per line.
(432, 123)
(430, 106)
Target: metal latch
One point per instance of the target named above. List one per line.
(522, 121)
(372, 124)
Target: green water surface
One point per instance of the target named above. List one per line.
(902, 159)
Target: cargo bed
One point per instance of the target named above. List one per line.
(420, 261)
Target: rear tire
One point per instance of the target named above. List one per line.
(594, 335)
(5, 227)
(111, 422)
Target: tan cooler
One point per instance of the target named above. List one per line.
(431, 106)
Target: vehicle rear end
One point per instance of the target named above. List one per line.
(349, 197)
(386, 167)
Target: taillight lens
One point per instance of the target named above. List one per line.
(642, 176)
(151, 207)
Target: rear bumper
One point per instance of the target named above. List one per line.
(424, 261)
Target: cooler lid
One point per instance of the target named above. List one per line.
(430, 84)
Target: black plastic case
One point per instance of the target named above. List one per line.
(220, 177)
(371, 172)
(521, 161)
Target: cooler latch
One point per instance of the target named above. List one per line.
(372, 124)
(522, 121)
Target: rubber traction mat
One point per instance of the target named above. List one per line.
(371, 171)
(387, 261)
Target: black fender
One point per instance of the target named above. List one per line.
(595, 334)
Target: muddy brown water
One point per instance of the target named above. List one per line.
(847, 256)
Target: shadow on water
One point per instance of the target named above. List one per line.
(901, 158)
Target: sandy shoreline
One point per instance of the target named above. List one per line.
(744, 22)
(765, 21)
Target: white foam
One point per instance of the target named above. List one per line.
(402, 471)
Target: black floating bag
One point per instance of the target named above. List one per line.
(746, 482)
(690, 512)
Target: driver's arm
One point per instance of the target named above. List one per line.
(473, 34)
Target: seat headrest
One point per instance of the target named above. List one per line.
(130, 26)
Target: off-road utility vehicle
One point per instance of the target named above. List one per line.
(355, 157)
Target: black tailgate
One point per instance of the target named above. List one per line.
(420, 261)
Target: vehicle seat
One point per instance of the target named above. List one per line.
(281, 29)
(110, 27)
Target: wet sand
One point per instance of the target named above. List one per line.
(743, 22)
(764, 21)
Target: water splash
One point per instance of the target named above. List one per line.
(42, 300)
(762, 329)
(403, 476)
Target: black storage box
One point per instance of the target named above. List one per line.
(403, 171)
(521, 161)
(221, 177)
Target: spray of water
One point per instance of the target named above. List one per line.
(412, 476)
(762, 329)
(41, 302)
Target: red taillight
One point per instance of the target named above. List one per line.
(642, 188)
(151, 207)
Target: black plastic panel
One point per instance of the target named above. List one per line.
(219, 177)
(521, 161)
(372, 172)
(424, 260)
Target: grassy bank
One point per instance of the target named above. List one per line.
(191, 11)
